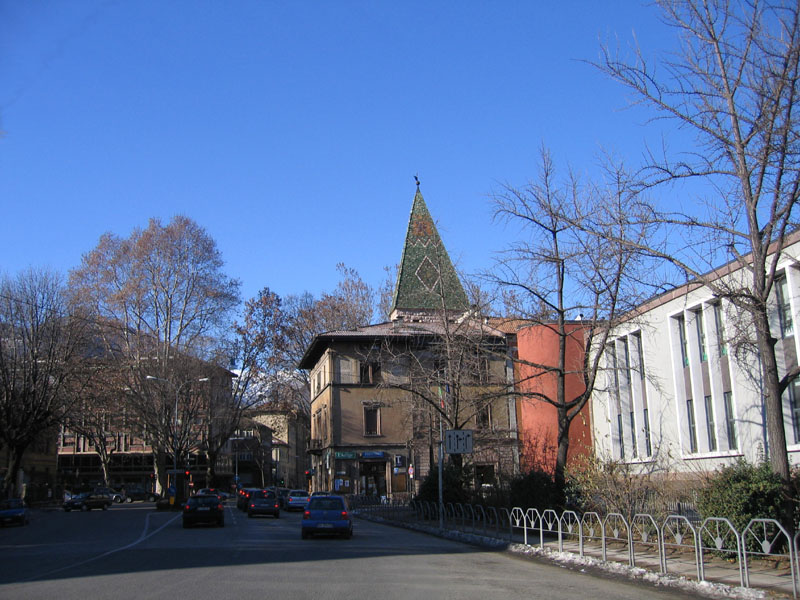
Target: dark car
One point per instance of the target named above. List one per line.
(283, 495)
(243, 500)
(139, 494)
(326, 515)
(207, 508)
(88, 501)
(264, 502)
(116, 496)
(13, 511)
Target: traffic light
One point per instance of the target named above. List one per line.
(308, 474)
(186, 472)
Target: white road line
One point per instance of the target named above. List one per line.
(142, 538)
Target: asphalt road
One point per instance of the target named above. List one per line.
(132, 551)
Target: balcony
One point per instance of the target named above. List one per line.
(315, 447)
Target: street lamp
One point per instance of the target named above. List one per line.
(175, 420)
(236, 460)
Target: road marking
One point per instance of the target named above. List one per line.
(144, 535)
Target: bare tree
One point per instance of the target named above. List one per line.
(163, 298)
(573, 286)
(256, 351)
(43, 347)
(734, 86)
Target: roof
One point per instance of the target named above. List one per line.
(427, 279)
(396, 329)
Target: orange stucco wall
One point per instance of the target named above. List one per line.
(537, 420)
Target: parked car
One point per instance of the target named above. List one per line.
(297, 500)
(117, 497)
(139, 494)
(264, 502)
(12, 511)
(88, 501)
(207, 508)
(326, 515)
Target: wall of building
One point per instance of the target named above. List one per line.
(537, 420)
(691, 403)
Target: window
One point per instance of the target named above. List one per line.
(701, 335)
(712, 435)
(626, 362)
(621, 437)
(372, 421)
(612, 362)
(633, 435)
(638, 337)
(483, 420)
(794, 408)
(682, 336)
(692, 427)
(784, 308)
(721, 345)
(647, 446)
(369, 372)
(730, 421)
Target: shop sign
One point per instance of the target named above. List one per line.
(345, 455)
(373, 455)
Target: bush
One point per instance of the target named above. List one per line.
(744, 491)
(455, 485)
(537, 490)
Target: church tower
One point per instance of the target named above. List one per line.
(427, 283)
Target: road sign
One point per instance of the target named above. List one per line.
(411, 471)
(458, 441)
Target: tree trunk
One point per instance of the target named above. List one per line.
(563, 447)
(211, 468)
(15, 454)
(773, 403)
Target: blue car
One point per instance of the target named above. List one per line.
(13, 511)
(326, 515)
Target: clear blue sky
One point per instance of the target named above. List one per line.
(292, 131)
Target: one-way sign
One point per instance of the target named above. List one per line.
(458, 441)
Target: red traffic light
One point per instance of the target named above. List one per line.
(186, 472)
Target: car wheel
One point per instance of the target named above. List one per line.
(303, 535)
(249, 515)
(221, 523)
(185, 525)
(118, 499)
(67, 509)
(128, 499)
(84, 507)
(348, 535)
(277, 515)
(151, 498)
(105, 506)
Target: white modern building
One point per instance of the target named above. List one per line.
(680, 391)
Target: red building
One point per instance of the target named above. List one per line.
(537, 373)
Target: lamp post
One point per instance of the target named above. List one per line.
(236, 459)
(175, 422)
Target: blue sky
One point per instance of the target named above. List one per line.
(292, 131)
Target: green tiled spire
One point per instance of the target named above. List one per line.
(426, 280)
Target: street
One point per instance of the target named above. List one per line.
(132, 551)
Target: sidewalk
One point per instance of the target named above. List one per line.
(768, 578)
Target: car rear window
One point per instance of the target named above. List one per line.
(204, 501)
(326, 503)
(297, 493)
